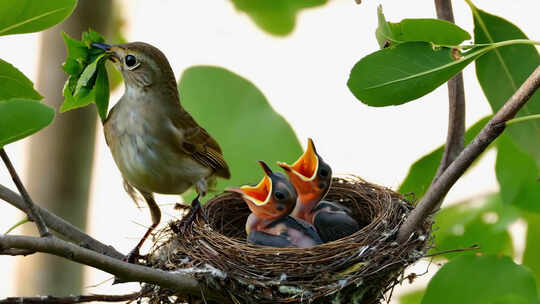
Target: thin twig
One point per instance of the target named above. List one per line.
(16, 252)
(72, 299)
(455, 137)
(473, 247)
(30, 208)
(61, 226)
(488, 134)
(128, 272)
(202, 294)
(522, 119)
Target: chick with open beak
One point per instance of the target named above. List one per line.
(312, 178)
(156, 144)
(271, 201)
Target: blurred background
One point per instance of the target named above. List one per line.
(301, 67)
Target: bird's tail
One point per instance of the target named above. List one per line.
(133, 193)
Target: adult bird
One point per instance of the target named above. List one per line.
(156, 144)
(270, 202)
(312, 178)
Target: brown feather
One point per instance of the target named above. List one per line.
(201, 146)
(158, 57)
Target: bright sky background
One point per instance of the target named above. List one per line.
(304, 78)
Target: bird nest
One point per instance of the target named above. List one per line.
(359, 268)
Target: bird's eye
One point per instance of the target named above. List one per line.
(279, 195)
(324, 172)
(131, 62)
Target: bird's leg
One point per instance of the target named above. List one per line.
(196, 208)
(201, 186)
(134, 255)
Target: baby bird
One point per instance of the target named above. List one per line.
(270, 202)
(312, 178)
(156, 144)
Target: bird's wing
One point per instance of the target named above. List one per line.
(334, 225)
(266, 239)
(299, 225)
(332, 206)
(201, 146)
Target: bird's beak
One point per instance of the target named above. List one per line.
(306, 166)
(103, 46)
(266, 168)
(259, 197)
(303, 174)
(109, 49)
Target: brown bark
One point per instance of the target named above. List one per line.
(455, 137)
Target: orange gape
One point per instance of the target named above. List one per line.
(259, 192)
(306, 165)
(271, 201)
(312, 178)
(304, 175)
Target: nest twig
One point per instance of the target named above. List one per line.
(359, 268)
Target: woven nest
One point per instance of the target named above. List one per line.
(359, 268)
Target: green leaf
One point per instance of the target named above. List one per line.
(115, 77)
(102, 92)
(509, 299)
(240, 118)
(466, 224)
(511, 65)
(277, 17)
(90, 37)
(439, 32)
(531, 256)
(393, 76)
(88, 80)
(412, 297)
(76, 50)
(72, 67)
(383, 33)
(423, 170)
(15, 84)
(82, 99)
(470, 279)
(517, 173)
(22, 117)
(26, 16)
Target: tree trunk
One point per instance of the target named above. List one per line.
(61, 156)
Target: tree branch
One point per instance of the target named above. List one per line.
(71, 299)
(59, 225)
(16, 252)
(455, 137)
(126, 271)
(444, 10)
(29, 207)
(492, 130)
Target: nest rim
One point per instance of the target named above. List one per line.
(360, 265)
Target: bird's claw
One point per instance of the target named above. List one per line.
(196, 209)
(133, 256)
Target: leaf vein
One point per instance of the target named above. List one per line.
(13, 26)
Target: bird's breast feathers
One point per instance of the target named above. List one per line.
(151, 160)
